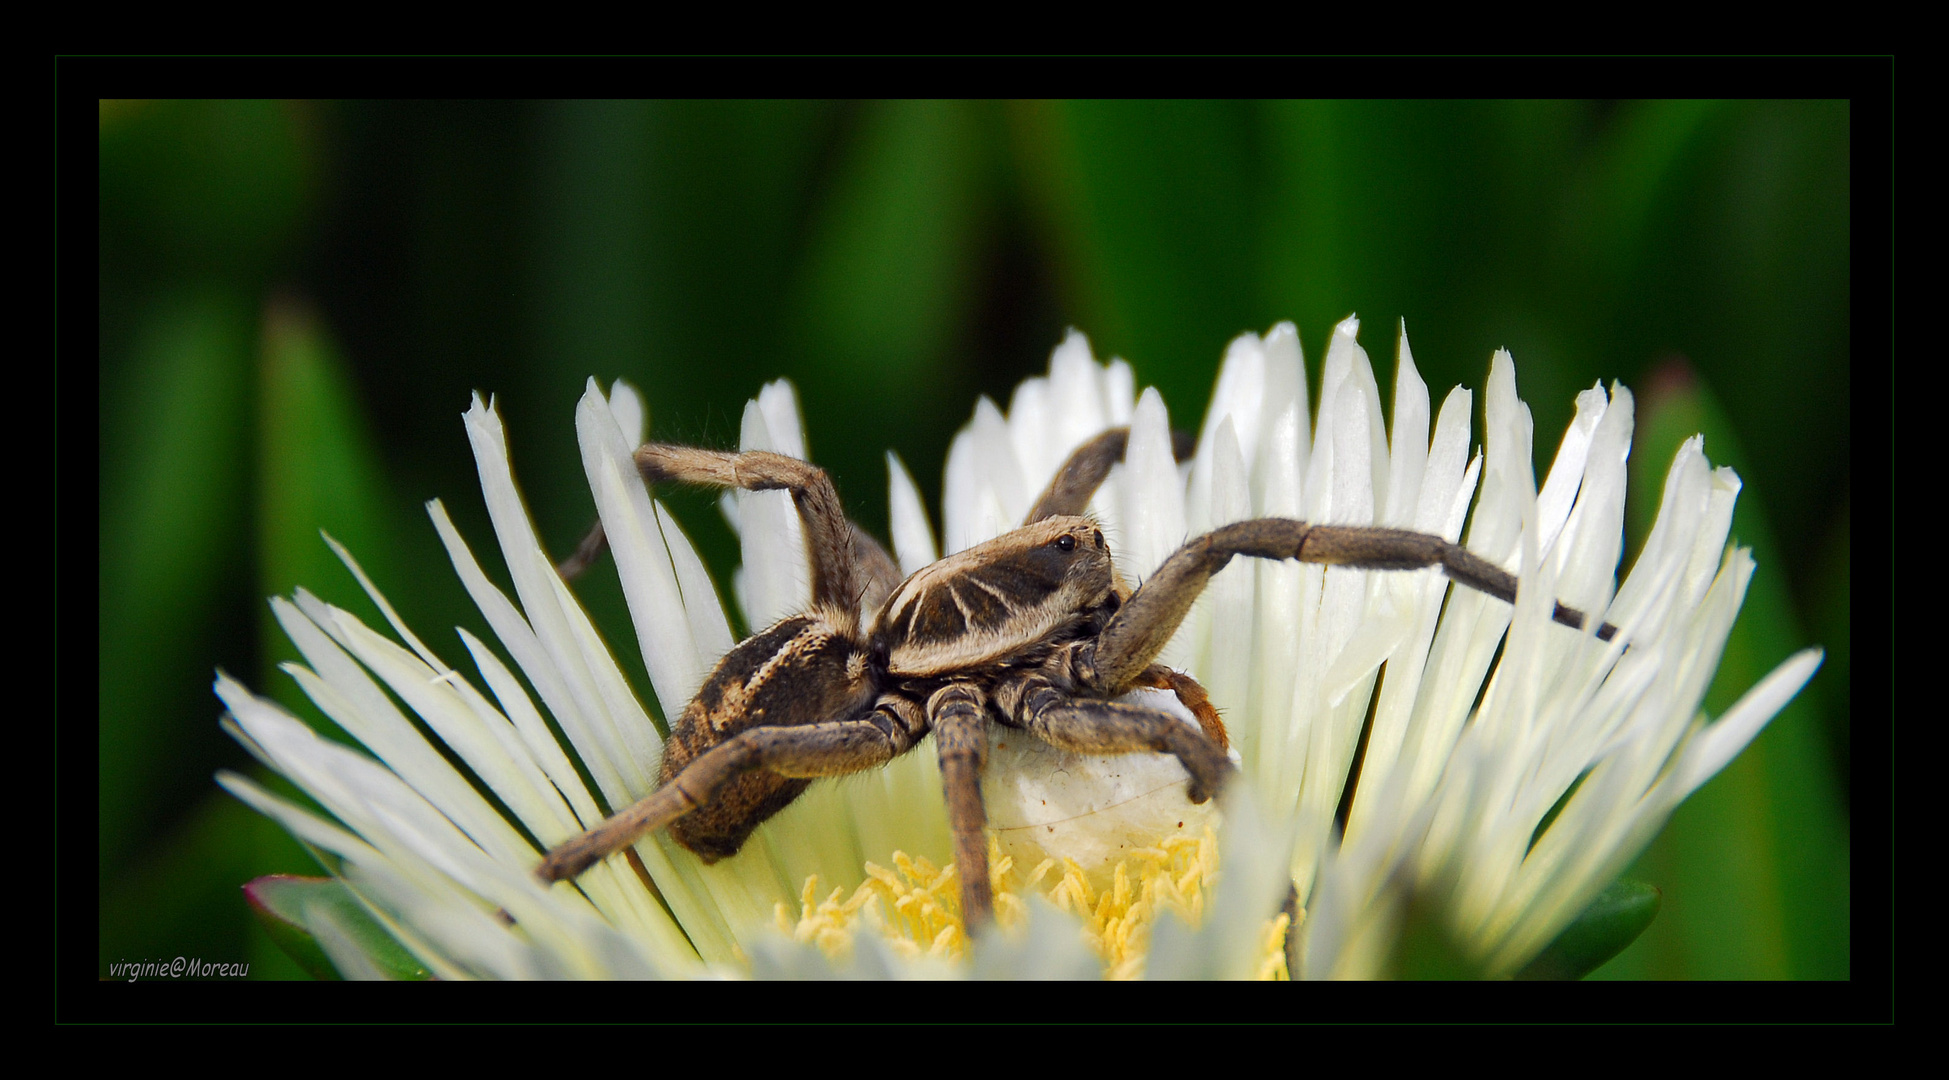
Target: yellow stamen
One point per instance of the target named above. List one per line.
(916, 907)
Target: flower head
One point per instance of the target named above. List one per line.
(1452, 792)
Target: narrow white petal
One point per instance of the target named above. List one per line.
(1285, 390)
(670, 653)
(620, 776)
(1278, 629)
(476, 733)
(991, 518)
(958, 489)
(1119, 392)
(1153, 501)
(1233, 614)
(779, 401)
(308, 828)
(349, 696)
(997, 465)
(1566, 474)
(1238, 398)
(1592, 539)
(560, 625)
(385, 606)
(1508, 483)
(1719, 743)
(1722, 491)
(709, 627)
(1444, 493)
(632, 419)
(913, 540)
(534, 733)
(1029, 428)
(1076, 399)
(1407, 449)
(777, 582)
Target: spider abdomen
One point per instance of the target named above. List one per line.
(798, 671)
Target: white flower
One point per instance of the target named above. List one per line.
(1449, 795)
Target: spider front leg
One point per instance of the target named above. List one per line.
(812, 750)
(1090, 725)
(1140, 629)
(881, 573)
(1192, 695)
(847, 565)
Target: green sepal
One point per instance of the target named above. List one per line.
(1611, 922)
(287, 906)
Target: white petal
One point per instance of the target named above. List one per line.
(997, 465)
(777, 581)
(632, 419)
(913, 540)
(780, 403)
(1076, 398)
(560, 625)
(1285, 391)
(1407, 449)
(1508, 483)
(671, 652)
(1559, 491)
(1153, 501)
(1721, 742)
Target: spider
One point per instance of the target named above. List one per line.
(1035, 630)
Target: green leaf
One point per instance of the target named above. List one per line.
(318, 469)
(292, 909)
(173, 479)
(1611, 922)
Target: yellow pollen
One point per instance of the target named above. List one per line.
(916, 907)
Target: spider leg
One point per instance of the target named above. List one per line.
(585, 554)
(958, 713)
(1068, 494)
(1191, 693)
(1088, 725)
(829, 749)
(1139, 630)
(847, 565)
(881, 573)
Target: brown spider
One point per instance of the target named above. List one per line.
(1034, 629)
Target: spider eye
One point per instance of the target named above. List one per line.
(1065, 543)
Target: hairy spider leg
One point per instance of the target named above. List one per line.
(1192, 694)
(837, 584)
(1092, 725)
(858, 562)
(835, 748)
(958, 713)
(1140, 629)
(1068, 494)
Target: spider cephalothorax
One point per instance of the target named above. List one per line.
(1034, 629)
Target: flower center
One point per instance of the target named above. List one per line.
(915, 906)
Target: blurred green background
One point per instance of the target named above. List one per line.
(297, 298)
